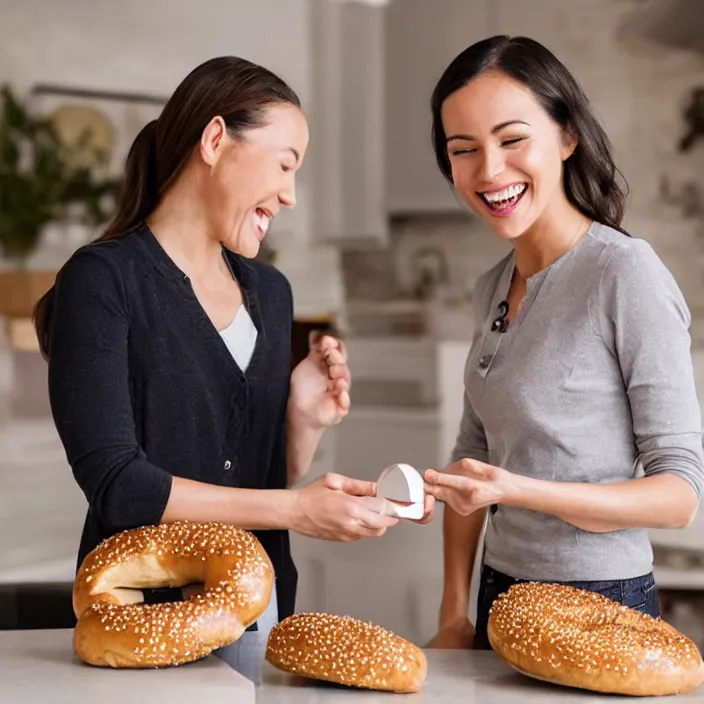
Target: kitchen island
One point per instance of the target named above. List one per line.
(39, 666)
(466, 676)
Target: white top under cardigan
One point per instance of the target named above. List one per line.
(240, 336)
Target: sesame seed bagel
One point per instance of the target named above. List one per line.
(578, 638)
(115, 629)
(346, 651)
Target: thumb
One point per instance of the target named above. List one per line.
(431, 475)
(354, 487)
(475, 469)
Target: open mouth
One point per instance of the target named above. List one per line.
(505, 200)
(263, 219)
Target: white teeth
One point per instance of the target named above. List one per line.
(263, 221)
(507, 193)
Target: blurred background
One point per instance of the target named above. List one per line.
(378, 247)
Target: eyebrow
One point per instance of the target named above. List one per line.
(494, 130)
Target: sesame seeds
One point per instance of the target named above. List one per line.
(113, 630)
(580, 638)
(347, 651)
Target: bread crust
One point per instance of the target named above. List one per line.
(577, 638)
(346, 651)
(115, 629)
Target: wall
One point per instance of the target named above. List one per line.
(638, 92)
(149, 46)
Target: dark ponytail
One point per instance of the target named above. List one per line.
(237, 90)
(139, 188)
(592, 182)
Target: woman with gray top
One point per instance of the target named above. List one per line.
(579, 373)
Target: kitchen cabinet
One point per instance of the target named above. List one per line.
(422, 38)
(347, 122)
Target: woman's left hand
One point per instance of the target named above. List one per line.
(320, 384)
(469, 485)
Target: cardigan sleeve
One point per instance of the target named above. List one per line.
(90, 396)
(643, 317)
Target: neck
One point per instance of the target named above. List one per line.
(551, 236)
(181, 228)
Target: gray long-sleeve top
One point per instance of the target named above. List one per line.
(592, 379)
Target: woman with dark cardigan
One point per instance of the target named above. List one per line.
(169, 345)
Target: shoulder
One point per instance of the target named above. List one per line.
(629, 264)
(96, 265)
(633, 280)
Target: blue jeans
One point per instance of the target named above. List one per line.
(638, 593)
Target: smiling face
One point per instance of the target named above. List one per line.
(505, 152)
(251, 177)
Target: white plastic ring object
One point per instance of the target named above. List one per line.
(402, 486)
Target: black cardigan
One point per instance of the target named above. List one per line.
(143, 388)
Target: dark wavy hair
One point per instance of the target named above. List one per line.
(237, 90)
(592, 182)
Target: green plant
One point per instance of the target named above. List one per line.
(42, 179)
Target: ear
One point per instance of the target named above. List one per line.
(568, 142)
(212, 140)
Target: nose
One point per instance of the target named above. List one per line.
(492, 164)
(287, 195)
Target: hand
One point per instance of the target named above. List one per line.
(320, 384)
(454, 636)
(428, 511)
(333, 508)
(386, 508)
(469, 485)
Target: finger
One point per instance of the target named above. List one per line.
(452, 481)
(351, 486)
(428, 511)
(314, 339)
(471, 468)
(342, 348)
(328, 344)
(338, 371)
(340, 385)
(373, 521)
(343, 401)
(441, 493)
(332, 356)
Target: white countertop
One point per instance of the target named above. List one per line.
(466, 676)
(39, 666)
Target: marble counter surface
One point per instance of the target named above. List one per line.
(466, 676)
(39, 667)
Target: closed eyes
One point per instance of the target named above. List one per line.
(505, 143)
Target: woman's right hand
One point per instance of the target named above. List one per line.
(332, 508)
(454, 636)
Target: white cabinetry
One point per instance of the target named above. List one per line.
(347, 121)
(422, 37)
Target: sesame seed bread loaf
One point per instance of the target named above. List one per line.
(579, 638)
(115, 629)
(346, 651)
